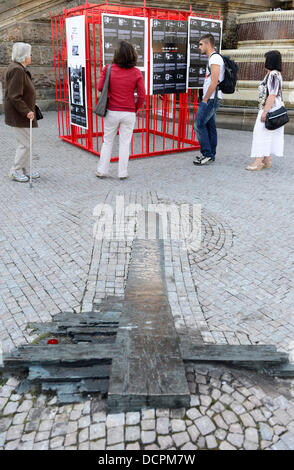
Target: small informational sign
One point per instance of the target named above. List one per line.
(132, 29)
(197, 62)
(76, 51)
(169, 39)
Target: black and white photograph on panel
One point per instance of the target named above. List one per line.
(77, 95)
(198, 27)
(169, 56)
(132, 29)
(76, 55)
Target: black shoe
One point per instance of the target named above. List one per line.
(203, 161)
(197, 160)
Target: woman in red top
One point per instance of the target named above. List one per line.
(125, 78)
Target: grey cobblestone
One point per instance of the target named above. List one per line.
(226, 446)
(178, 425)
(165, 442)
(205, 425)
(220, 434)
(115, 420)
(235, 439)
(42, 436)
(180, 438)
(133, 446)
(70, 439)
(148, 437)
(251, 435)
(2, 438)
(132, 418)
(250, 445)
(83, 435)
(97, 431)
(148, 424)
(10, 408)
(288, 439)
(115, 435)
(162, 425)
(98, 445)
(133, 433)
(56, 442)
(229, 417)
(5, 423)
(116, 447)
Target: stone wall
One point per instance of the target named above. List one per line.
(29, 21)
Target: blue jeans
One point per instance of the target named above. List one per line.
(205, 127)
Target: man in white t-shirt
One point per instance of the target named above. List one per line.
(204, 125)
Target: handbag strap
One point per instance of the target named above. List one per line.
(107, 78)
(280, 87)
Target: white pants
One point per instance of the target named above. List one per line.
(22, 155)
(126, 121)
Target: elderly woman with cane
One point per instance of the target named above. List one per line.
(19, 107)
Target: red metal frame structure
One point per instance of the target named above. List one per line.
(163, 125)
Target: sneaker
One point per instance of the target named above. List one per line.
(123, 177)
(35, 175)
(196, 160)
(99, 175)
(20, 177)
(203, 161)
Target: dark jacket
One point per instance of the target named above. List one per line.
(20, 96)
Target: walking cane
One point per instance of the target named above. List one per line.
(31, 152)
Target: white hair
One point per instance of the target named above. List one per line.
(21, 51)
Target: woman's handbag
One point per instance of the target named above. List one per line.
(276, 119)
(101, 107)
(38, 113)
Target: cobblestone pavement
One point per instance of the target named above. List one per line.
(228, 412)
(237, 289)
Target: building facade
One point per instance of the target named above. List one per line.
(29, 21)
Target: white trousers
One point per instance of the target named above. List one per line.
(126, 121)
(22, 155)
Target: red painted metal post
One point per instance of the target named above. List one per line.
(59, 78)
(89, 82)
(148, 100)
(54, 60)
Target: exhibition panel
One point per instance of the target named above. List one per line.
(84, 39)
(76, 48)
(127, 28)
(197, 62)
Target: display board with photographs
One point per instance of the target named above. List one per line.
(197, 62)
(76, 50)
(132, 29)
(169, 39)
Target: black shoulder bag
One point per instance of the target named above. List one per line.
(277, 118)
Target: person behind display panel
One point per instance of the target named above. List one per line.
(125, 78)
(19, 108)
(268, 142)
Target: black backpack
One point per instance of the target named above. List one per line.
(228, 84)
